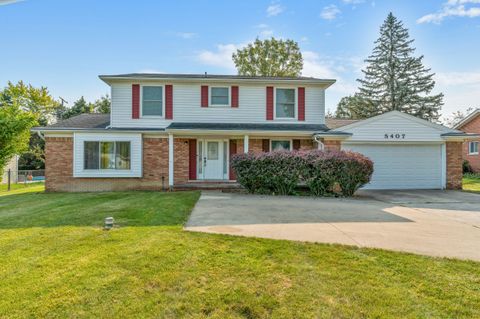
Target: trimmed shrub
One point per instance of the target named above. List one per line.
(466, 167)
(281, 172)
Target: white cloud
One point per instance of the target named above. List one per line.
(222, 57)
(186, 35)
(353, 1)
(458, 78)
(265, 30)
(151, 71)
(5, 2)
(274, 9)
(453, 8)
(330, 12)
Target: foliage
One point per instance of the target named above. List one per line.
(457, 116)
(395, 79)
(355, 107)
(34, 157)
(57, 262)
(38, 101)
(269, 58)
(466, 167)
(15, 126)
(81, 106)
(281, 172)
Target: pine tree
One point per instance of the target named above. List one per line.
(395, 79)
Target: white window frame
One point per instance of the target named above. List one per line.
(100, 156)
(210, 88)
(295, 107)
(470, 147)
(163, 101)
(281, 140)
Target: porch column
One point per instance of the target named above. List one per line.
(170, 160)
(245, 144)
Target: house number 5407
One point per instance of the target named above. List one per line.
(394, 136)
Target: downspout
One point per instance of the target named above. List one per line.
(318, 139)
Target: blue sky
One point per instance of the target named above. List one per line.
(65, 45)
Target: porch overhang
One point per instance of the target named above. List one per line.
(459, 136)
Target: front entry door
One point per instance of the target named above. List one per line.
(213, 157)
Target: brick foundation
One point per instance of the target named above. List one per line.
(454, 165)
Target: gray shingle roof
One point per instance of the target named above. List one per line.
(248, 126)
(93, 120)
(212, 76)
(333, 123)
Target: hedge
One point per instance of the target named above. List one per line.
(323, 172)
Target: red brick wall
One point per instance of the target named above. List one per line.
(180, 160)
(332, 145)
(454, 165)
(472, 127)
(59, 169)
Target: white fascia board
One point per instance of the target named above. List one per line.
(178, 132)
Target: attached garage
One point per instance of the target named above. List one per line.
(407, 152)
(404, 166)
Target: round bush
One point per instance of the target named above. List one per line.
(281, 172)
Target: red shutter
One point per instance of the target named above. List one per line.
(204, 98)
(135, 101)
(192, 162)
(269, 103)
(301, 104)
(234, 96)
(266, 145)
(168, 102)
(233, 151)
(296, 145)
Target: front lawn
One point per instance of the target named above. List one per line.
(471, 182)
(21, 188)
(56, 261)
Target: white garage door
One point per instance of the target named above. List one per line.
(403, 166)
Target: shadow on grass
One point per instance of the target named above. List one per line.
(90, 209)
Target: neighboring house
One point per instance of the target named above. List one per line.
(471, 124)
(179, 131)
(13, 167)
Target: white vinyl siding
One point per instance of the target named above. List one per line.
(133, 170)
(186, 106)
(375, 130)
(403, 166)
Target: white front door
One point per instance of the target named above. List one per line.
(213, 153)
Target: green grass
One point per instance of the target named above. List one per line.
(471, 182)
(57, 262)
(21, 188)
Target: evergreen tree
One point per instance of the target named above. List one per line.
(395, 79)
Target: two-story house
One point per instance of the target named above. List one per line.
(177, 131)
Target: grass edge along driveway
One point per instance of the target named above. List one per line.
(56, 261)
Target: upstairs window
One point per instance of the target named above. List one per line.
(473, 148)
(219, 96)
(106, 155)
(285, 103)
(152, 101)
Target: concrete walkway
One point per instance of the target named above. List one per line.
(436, 223)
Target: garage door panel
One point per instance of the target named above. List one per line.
(413, 166)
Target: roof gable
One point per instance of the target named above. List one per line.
(395, 126)
(470, 117)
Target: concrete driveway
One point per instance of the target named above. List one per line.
(436, 223)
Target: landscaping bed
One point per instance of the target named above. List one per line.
(57, 262)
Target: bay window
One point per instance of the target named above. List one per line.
(106, 155)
